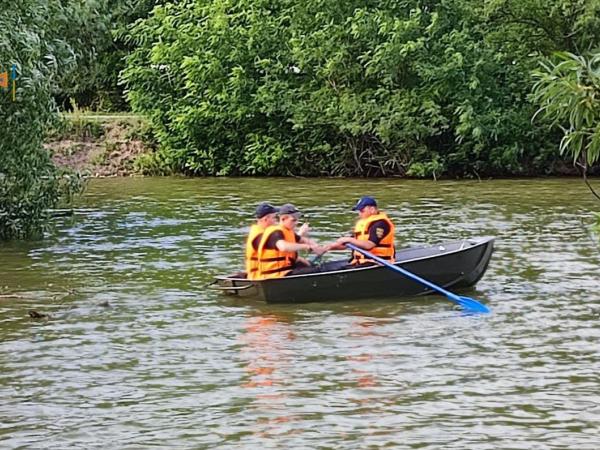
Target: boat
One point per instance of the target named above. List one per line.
(456, 264)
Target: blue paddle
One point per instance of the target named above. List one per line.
(465, 302)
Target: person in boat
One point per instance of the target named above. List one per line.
(374, 231)
(279, 246)
(266, 216)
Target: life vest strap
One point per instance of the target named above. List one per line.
(278, 258)
(279, 269)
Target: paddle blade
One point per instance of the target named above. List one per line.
(472, 305)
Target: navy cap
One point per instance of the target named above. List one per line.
(265, 208)
(364, 201)
(288, 208)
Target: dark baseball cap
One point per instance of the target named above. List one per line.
(265, 208)
(288, 208)
(364, 201)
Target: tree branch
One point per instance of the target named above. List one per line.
(583, 166)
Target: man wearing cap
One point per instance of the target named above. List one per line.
(279, 246)
(374, 231)
(266, 216)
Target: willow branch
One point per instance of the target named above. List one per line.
(583, 166)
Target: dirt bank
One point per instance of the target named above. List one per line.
(100, 146)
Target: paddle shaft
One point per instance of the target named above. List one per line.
(458, 299)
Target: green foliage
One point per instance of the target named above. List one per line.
(358, 88)
(426, 169)
(77, 126)
(100, 42)
(596, 225)
(152, 164)
(29, 183)
(567, 89)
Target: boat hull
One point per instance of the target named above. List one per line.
(452, 264)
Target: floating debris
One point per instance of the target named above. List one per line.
(36, 315)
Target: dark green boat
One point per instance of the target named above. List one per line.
(454, 264)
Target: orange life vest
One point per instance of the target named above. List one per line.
(252, 253)
(385, 249)
(273, 263)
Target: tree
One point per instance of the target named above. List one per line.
(99, 36)
(318, 87)
(567, 90)
(358, 88)
(30, 184)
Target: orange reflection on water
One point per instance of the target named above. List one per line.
(266, 353)
(365, 328)
(263, 348)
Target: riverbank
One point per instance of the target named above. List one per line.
(98, 145)
(123, 144)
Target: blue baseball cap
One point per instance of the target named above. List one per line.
(265, 208)
(364, 201)
(290, 209)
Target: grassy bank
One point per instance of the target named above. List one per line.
(101, 145)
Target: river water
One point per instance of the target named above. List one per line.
(137, 353)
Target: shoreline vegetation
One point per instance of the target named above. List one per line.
(442, 89)
(103, 145)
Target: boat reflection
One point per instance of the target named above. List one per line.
(365, 332)
(266, 352)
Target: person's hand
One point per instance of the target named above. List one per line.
(304, 229)
(318, 249)
(343, 240)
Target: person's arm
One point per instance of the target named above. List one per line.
(377, 231)
(284, 246)
(335, 246)
(340, 244)
(276, 241)
(304, 239)
(314, 246)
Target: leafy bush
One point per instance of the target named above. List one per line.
(567, 90)
(29, 183)
(99, 35)
(316, 87)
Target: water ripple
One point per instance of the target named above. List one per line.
(137, 353)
